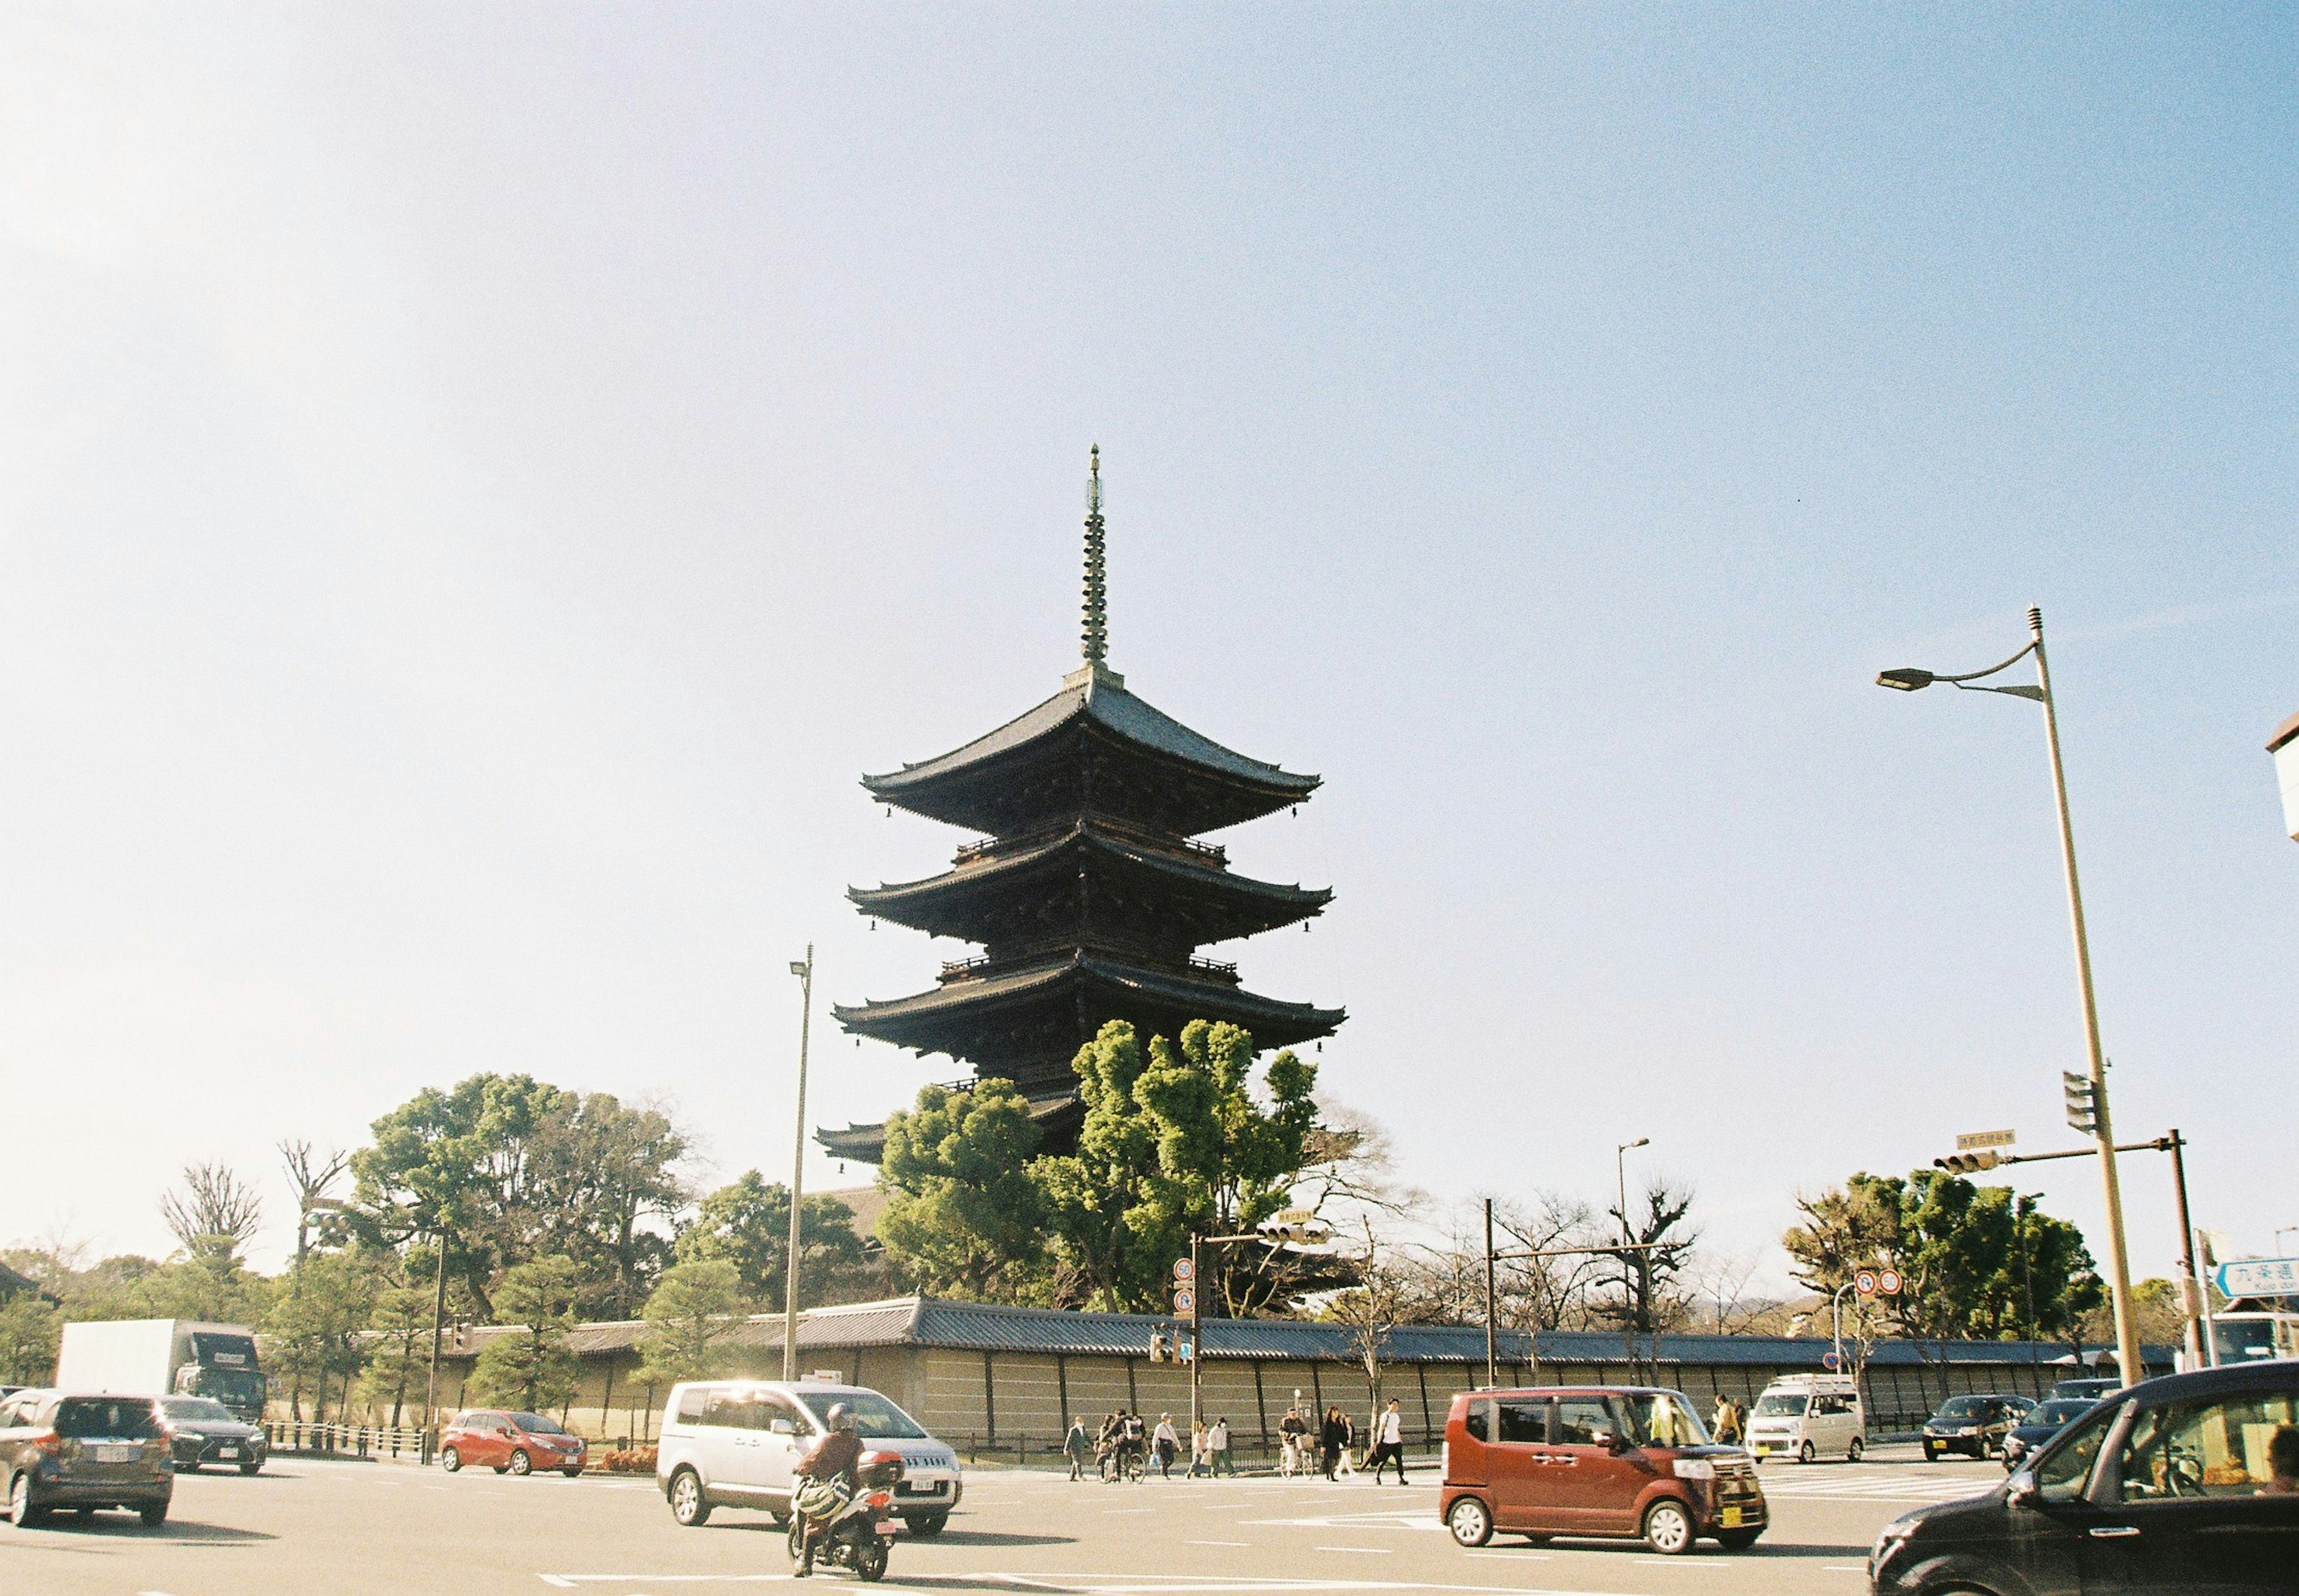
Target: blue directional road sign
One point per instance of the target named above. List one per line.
(2259, 1278)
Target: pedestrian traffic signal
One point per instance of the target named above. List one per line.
(1968, 1163)
(2084, 1099)
(1160, 1348)
(1188, 1350)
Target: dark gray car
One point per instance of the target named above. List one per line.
(206, 1433)
(82, 1452)
(2179, 1486)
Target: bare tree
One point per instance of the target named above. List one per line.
(215, 1205)
(311, 1173)
(1372, 1308)
(1720, 1282)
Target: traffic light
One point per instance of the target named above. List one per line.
(1188, 1350)
(1968, 1163)
(2084, 1102)
(1158, 1347)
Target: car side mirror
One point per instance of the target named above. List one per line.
(1617, 1444)
(2021, 1491)
(781, 1426)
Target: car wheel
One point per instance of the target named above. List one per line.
(1668, 1528)
(1807, 1452)
(251, 1468)
(191, 1468)
(1931, 1453)
(154, 1514)
(928, 1523)
(870, 1560)
(687, 1508)
(1470, 1520)
(1739, 1540)
(572, 1474)
(521, 1464)
(1856, 1450)
(21, 1512)
(451, 1459)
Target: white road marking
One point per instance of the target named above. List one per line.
(1371, 1551)
(1216, 1542)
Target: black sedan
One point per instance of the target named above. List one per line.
(2044, 1421)
(1975, 1425)
(2189, 1483)
(202, 1432)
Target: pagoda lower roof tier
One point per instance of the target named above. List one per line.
(1028, 1024)
(1057, 1115)
(1092, 747)
(1058, 888)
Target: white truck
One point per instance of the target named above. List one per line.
(164, 1357)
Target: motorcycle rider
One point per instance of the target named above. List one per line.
(832, 1457)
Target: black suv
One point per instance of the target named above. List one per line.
(65, 1450)
(2189, 1483)
(205, 1432)
(1973, 1425)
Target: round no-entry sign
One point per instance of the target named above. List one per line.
(1828, 1361)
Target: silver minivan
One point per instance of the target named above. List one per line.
(734, 1444)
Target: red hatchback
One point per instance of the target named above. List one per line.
(509, 1443)
(1594, 1460)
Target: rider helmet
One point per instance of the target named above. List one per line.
(840, 1417)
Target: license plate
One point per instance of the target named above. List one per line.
(884, 1526)
(228, 1450)
(1760, 1449)
(118, 1454)
(1731, 1518)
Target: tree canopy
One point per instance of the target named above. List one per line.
(745, 1223)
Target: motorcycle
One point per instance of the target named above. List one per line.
(851, 1529)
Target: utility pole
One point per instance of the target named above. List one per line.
(1492, 1340)
(438, 1322)
(2203, 1338)
(804, 971)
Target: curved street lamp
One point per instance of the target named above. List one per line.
(1908, 679)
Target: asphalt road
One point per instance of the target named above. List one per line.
(305, 1526)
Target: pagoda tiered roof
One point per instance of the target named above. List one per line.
(1093, 745)
(1014, 891)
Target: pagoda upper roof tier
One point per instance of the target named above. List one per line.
(976, 1018)
(1026, 888)
(1092, 746)
(1057, 1115)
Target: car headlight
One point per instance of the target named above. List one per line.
(1694, 1469)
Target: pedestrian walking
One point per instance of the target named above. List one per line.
(1217, 1445)
(1389, 1443)
(1348, 1468)
(1079, 1445)
(1201, 1450)
(1333, 1435)
(1168, 1446)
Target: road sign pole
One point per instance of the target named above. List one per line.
(1197, 1350)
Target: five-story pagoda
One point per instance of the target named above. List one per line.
(1092, 894)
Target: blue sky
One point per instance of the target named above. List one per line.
(478, 485)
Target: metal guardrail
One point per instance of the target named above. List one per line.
(298, 1437)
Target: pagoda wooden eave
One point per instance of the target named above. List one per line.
(1206, 784)
(956, 1017)
(1219, 905)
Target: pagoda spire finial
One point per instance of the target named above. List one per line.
(1097, 595)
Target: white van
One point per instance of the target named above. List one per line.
(1810, 1416)
(734, 1444)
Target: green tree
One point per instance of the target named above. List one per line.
(314, 1322)
(399, 1330)
(963, 1218)
(533, 1366)
(746, 1223)
(30, 1331)
(603, 1171)
(1977, 1260)
(693, 1310)
(1176, 1140)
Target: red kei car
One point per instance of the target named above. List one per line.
(509, 1443)
(1594, 1460)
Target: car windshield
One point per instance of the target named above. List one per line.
(195, 1410)
(1662, 1419)
(108, 1419)
(874, 1415)
(2060, 1410)
(1961, 1407)
(534, 1423)
(1780, 1404)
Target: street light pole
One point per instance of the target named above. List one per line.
(804, 971)
(2127, 1322)
(1628, 1241)
(1492, 1337)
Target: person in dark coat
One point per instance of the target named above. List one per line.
(1333, 1435)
